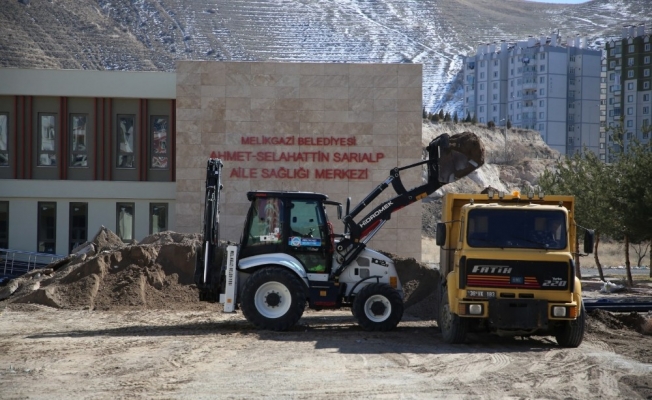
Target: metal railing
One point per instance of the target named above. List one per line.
(16, 262)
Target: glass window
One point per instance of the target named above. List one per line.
(647, 47)
(630, 98)
(646, 85)
(541, 103)
(612, 64)
(47, 140)
(158, 217)
(646, 110)
(4, 143)
(630, 48)
(630, 61)
(125, 141)
(265, 222)
(630, 124)
(542, 92)
(78, 227)
(630, 110)
(646, 60)
(630, 74)
(78, 140)
(4, 224)
(159, 142)
(542, 56)
(630, 86)
(646, 97)
(125, 220)
(542, 68)
(646, 72)
(47, 227)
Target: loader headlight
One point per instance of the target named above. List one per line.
(559, 311)
(475, 309)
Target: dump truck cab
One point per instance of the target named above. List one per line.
(507, 266)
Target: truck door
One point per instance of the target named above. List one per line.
(263, 233)
(309, 237)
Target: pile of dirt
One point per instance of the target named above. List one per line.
(107, 274)
(418, 280)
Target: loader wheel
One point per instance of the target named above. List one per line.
(571, 333)
(453, 328)
(378, 307)
(273, 298)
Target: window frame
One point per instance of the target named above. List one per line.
(130, 125)
(4, 139)
(72, 241)
(159, 160)
(51, 154)
(71, 135)
(119, 231)
(4, 233)
(39, 228)
(151, 217)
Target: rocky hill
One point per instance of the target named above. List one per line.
(153, 34)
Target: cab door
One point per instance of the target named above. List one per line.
(309, 235)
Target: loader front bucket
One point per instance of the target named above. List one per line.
(464, 154)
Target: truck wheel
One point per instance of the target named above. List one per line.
(378, 307)
(571, 333)
(273, 298)
(453, 328)
(437, 295)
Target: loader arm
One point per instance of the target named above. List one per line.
(358, 234)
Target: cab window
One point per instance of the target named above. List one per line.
(265, 222)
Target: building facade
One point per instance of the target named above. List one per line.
(128, 150)
(629, 94)
(539, 84)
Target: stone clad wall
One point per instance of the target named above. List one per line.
(336, 129)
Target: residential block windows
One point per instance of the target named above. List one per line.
(78, 140)
(78, 225)
(47, 151)
(125, 220)
(4, 141)
(158, 217)
(4, 224)
(630, 73)
(646, 85)
(647, 47)
(646, 72)
(646, 60)
(46, 227)
(125, 141)
(630, 48)
(630, 86)
(630, 61)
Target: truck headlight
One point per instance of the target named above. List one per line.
(475, 309)
(558, 311)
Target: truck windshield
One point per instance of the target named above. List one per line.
(517, 228)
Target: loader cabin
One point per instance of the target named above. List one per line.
(293, 223)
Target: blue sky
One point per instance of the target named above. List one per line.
(561, 1)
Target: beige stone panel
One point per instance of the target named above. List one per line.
(389, 152)
(309, 128)
(411, 81)
(217, 79)
(379, 175)
(385, 81)
(262, 68)
(287, 116)
(336, 69)
(238, 115)
(241, 186)
(263, 92)
(384, 116)
(184, 151)
(360, 189)
(409, 105)
(336, 116)
(337, 186)
(233, 197)
(264, 127)
(213, 91)
(189, 197)
(199, 161)
(409, 93)
(413, 117)
(213, 103)
(233, 208)
(288, 128)
(288, 80)
(213, 68)
(262, 116)
(385, 93)
(336, 129)
(185, 67)
(409, 249)
(311, 92)
(384, 105)
(287, 68)
(264, 80)
(311, 81)
(191, 173)
(361, 104)
(336, 104)
(187, 223)
(335, 80)
(361, 93)
(410, 69)
(188, 114)
(360, 129)
(311, 68)
(238, 91)
(385, 128)
(188, 102)
(233, 139)
(361, 116)
(211, 115)
(263, 104)
(241, 127)
(360, 69)
(312, 104)
(213, 126)
(364, 140)
(188, 91)
(288, 104)
(189, 185)
(239, 79)
(405, 152)
(384, 69)
(312, 116)
(286, 92)
(185, 137)
(238, 67)
(411, 234)
(336, 92)
(188, 79)
(184, 126)
(361, 81)
(238, 103)
(390, 246)
(410, 222)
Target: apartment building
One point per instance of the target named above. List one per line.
(541, 84)
(629, 94)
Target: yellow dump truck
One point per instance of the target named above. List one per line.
(507, 267)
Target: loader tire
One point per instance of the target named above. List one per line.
(571, 333)
(453, 328)
(378, 307)
(273, 298)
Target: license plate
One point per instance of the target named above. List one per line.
(484, 294)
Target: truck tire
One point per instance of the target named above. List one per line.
(453, 328)
(571, 333)
(437, 299)
(273, 298)
(378, 307)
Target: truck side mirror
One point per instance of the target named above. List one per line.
(588, 241)
(440, 236)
